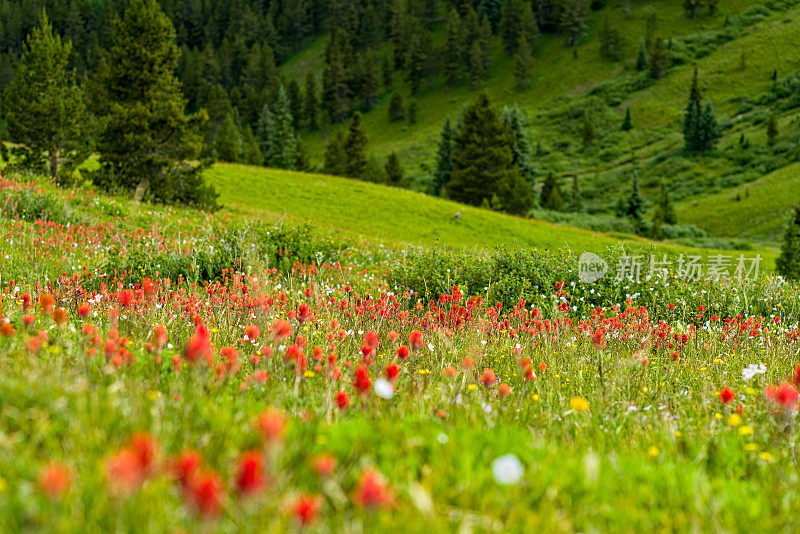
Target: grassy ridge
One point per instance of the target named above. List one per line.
(398, 215)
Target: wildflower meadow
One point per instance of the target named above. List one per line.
(236, 382)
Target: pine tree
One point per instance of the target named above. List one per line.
(311, 106)
(643, 58)
(660, 59)
(393, 169)
(493, 11)
(692, 7)
(355, 147)
(295, 103)
(444, 157)
(417, 61)
(610, 41)
(485, 42)
(335, 157)
(634, 206)
(475, 64)
(551, 197)
(397, 110)
(251, 151)
(529, 25)
(627, 123)
(772, 130)
(700, 130)
(282, 138)
(788, 262)
(228, 144)
(523, 62)
(573, 20)
(483, 161)
(44, 107)
(575, 196)
(511, 26)
(264, 131)
(369, 82)
(520, 148)
(387, 72)
(665, 212)
(147, 139)
(453, 50)
(413, 112)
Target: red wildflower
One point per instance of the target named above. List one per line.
(392, 371)
(272, 424)
(599, 339)
(324, 464)
(199, 347)
(504, 390)
(185, 466)
(402, 352)
(303, 311)
(371, 338)
(280, 330)
(372, 491)
(83, 310)
(488, 378)
(125, 298)
(146, 449)
(148, 286)
(415, 340)
(305, 509)
(784, 395)
(796, 376)
(250, 473)
(205, 493)
(342, 400)
(252, 332)
(726, 395)
(450, 371)
(123, 471)
(362, 381)
(55, 479)
(46, 302)
(160, 337)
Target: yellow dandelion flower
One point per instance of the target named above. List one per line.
(718, 415)
(309, 374)
(678, 433)
(767, 457)
(653, 451)
(746, 430)
(579, 404)
(750, 447)
(472, 387)
(535, 397)
(734, 419)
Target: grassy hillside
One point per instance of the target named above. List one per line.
(760, 208)
(397, 215)
(736, 51)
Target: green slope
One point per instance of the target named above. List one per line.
(398, 216)
(757, 210)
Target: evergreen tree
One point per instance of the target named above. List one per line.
(413, 112)
(523, 62)
(587, 130)
(692, 7)
(483, 161)
(529, 25)
(520, 148)
(575, 196)
(485, 42)
(387, 72)
(393, 169)
(573, 20)
(665, 212)
(660, 59)
(643, 58)
(610, 41)
(788, 262)
(369, 82)
(335, 157)
(551, 197)
(475, 64)
(511, 26)
(634, 206)
(397, 110)
(295, 103)
(147, 139)
(311, 106)
(772, 130)
(355, 149)
(228, 142)
(627, 123)
(700, 130)
(453, 51)
(251, 151)
(493, 11)
(444, 157)
(417, 62)
(282, 138)
(264, 131)
(44, 107)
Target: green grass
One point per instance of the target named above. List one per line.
(757, 209)
(381, 213)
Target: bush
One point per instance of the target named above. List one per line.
(30, 205)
